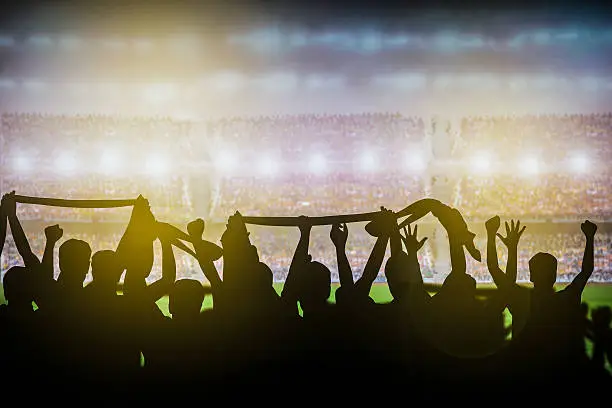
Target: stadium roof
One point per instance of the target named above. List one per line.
(131, 16)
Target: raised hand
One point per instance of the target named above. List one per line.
(513, 234)
(492, 224)
(410, 239)
(339, 235)
(588, 228)
(304, 224)
(53, 233)
(385, 223)
(9, 205)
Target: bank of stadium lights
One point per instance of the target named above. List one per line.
(317, 164)
(22, 164)
(110, 162)
(7, 83)
(6, 41)
(156, 165)
(480, 163)
(70, 42)
(530, 166)
(34, 85)
(590, 84)
(66, 163)
(228, 81)
(225, 162)
(114, 44)
(579, 163)
(158, 93)
(415, 161)
(368, 162)
(142, 44)
(268, 166)
(40, 41)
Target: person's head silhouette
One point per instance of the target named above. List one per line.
(543, 270)
(106, 269)
(401, 274)
(315, 287)
(461, 285)
(186, 298)
(18, 288)
(74, 260)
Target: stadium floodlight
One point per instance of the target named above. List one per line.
(33, 85)
(7, 83)
(158, 93)
(368, 162)
(70, 42)
(225, 162)
(40, 40)
(114, 44)
(22, 164)
(143, 44)
(66, 163)
(268, 166)
(228, 81)
(317, 164)
(580, 163)
(530, 165)
(415, 162)
(156, 164)
(480, 163)
(110, 162)
(6, 41)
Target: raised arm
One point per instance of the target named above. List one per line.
(53, 233)
(289, 295)
(511, 240)
(3, 224)
(21, 241)
(162, 287)
(339, 235)
(135, 249)
(413, 245)
(457, 255)
(387, 226)
(205, 260)
(588, 260)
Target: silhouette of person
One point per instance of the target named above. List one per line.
(505, 281)
(601, 336)
(553, 334)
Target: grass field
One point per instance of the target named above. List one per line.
(594, 294)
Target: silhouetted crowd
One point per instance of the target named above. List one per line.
(112, 343)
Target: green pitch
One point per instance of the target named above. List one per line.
(594, 294)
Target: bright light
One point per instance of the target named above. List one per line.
(415, 162)
(66, 163)
(368, 162)
(41, 40)
(22, 164)
(159, 93)
(317, 164)
(225, 161)
(530, 166)
(69, 42)
(6, 41)
(480, 163)
(110, 162)
(580, 163)
(156, 164)
(268, 166)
